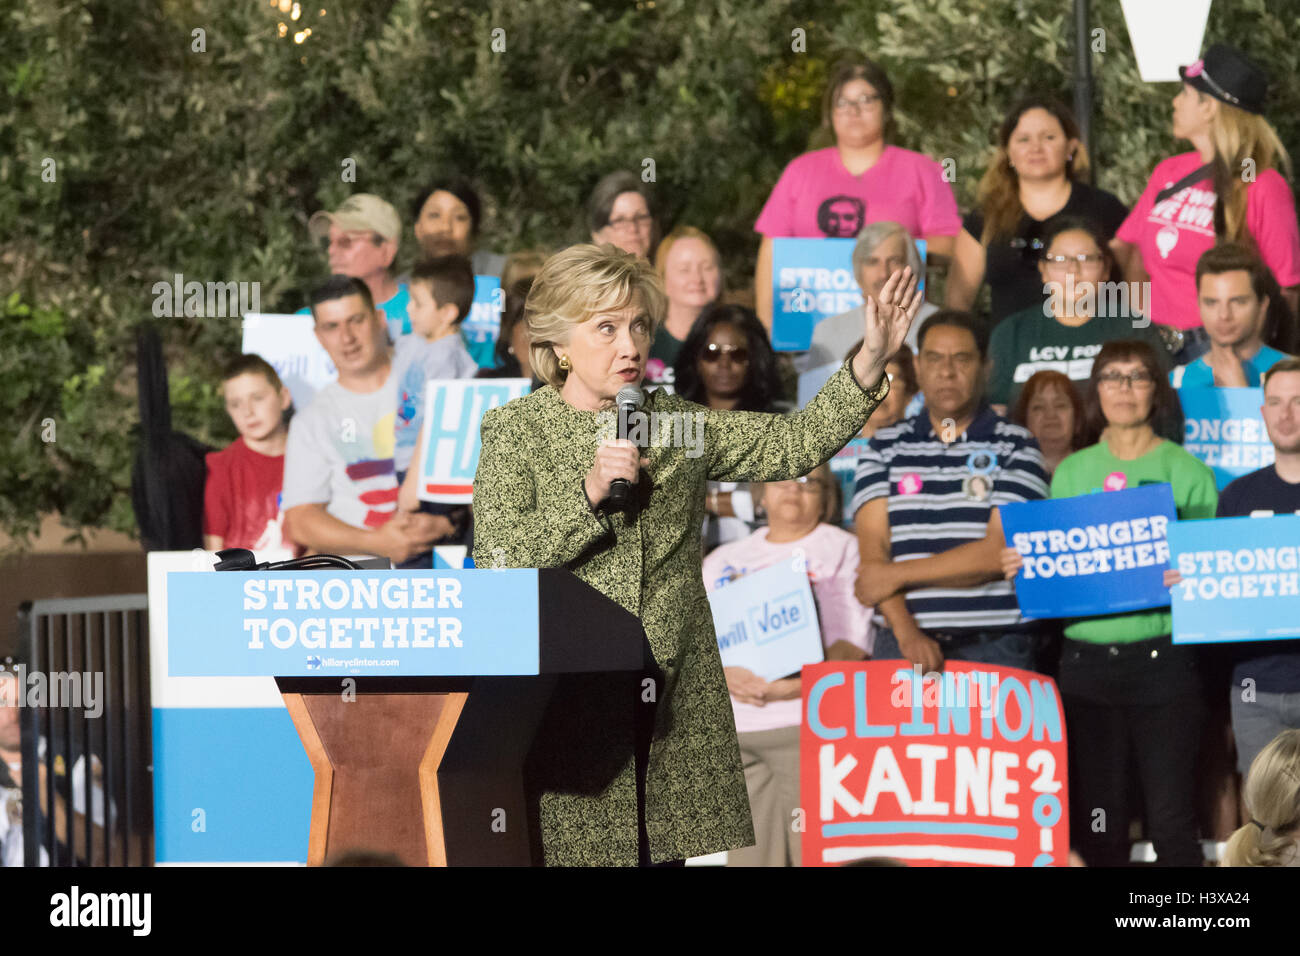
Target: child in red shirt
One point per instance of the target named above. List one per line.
(241, 500)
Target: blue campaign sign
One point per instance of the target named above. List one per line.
(1223, 428)
(450, 440)
(766, 621)
(1103, 553)
(480, 327)
(1240, 579)
(813, 279)
(371, 623)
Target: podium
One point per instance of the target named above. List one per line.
(421, 748)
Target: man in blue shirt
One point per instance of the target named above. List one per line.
(1231, 289)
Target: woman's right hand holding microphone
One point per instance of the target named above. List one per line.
(615, 458)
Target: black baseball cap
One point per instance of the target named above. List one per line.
(1226, 74)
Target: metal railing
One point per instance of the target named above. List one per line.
(86, 743)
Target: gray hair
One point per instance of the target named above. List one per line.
(877, 232)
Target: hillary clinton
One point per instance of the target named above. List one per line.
(541, 499)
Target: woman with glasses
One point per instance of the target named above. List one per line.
(862, 178)
(802, 515)
(1040, 170)
(1130, 695)
(620, 212)
(727, 362)
(1231, 187)
(1082, 311)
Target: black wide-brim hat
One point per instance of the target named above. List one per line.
(1226, 74)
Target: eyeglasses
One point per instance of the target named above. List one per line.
(347, 240)
(739, 354)
(638, 222)
(860, 105)
(1062, 263)
(806, 485)
(1138, 381)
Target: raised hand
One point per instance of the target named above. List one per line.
(888, 318)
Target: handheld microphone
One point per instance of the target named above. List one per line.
(629, 400)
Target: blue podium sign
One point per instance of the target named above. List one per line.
(1240, 579)
(1103, 553)
(358, 623)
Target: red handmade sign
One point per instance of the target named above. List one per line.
(967, 767)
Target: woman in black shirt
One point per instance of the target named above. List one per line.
(1038, 171)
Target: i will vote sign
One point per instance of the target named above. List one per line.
(1240, 579)
(766, 621)
(319, 623)
(1092, 554)
(1223, 428)
(450, 438)
(480, 328)
(964, 768)
(812, 279)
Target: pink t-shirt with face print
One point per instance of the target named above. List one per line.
(817, 198)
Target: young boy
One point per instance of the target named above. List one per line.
(241, 499)
(442, 292)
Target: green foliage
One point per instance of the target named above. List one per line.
(208, 164)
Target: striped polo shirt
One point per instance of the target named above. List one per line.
(940, 496)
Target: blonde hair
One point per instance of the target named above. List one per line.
(1238, 137)
(576, 284)
(1272, 795)
(681, 232)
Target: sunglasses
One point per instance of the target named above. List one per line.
(347, 240)
(739, 354)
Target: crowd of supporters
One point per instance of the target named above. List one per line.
(1060, 386)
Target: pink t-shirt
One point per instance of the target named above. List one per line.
(816, 197)
(831, 556)
(1173, 234)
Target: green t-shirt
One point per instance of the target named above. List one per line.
(1195, 496)
(1028, 342)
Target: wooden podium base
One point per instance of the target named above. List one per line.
(376, 793)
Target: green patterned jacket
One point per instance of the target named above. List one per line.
(530, 511)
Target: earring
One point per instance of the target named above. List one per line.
(565, 364)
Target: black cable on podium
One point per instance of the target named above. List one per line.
(241, 559)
